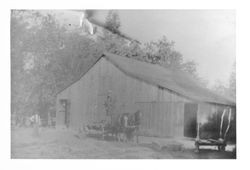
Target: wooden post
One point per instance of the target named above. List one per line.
(229, 121)
(137, 134)
(103, 133)
(198, 123)
(49, 119)
(198, 130)
(36, 125)
(221, 122)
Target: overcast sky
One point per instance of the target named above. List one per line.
(206, 36)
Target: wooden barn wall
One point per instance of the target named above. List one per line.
(85, 99)
(162, 110)
(82, 96)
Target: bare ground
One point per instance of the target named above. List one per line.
(62, 144)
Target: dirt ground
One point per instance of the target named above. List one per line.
(65, 144)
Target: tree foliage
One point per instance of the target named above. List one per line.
(162, 52)
(232, 82)
(46, 57)
(113, 21)
(227, 90)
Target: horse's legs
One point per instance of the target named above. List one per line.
(137, 135)
(118, 137)
(124, 138)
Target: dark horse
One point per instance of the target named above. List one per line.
(126, 126)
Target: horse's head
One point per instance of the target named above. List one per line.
(138, 113)
(137, 117)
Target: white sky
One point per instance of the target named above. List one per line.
(206, 36)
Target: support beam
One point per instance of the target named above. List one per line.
(221, 122)
(198, 123)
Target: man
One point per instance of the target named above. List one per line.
(137, 122)
(124, 126)
(36, 123)
(109, 107)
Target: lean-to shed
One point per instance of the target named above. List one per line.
(171, 101)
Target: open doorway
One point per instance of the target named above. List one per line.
(65, 109)
(190, 119)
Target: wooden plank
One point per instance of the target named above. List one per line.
(162, 119)
(157, 120)
(181, 119)
(164, 110)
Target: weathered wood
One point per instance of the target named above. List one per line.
(162, 110)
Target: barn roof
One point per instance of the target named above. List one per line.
(177, 81)
(174, 80)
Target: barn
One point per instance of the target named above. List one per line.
(171, 101)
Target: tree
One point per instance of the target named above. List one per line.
(158, 52)
(232, 82)
(46, 57)
(113, 21)
(190, 67)
(20, 89)
(227, 90)
(220, 88)
(162, 52)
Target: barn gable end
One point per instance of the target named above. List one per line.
(157, 92)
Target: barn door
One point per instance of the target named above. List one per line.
(65, 109)
(190, 119)
(67, 113)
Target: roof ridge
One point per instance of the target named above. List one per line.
(172, 79)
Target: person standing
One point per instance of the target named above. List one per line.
(37, 122)
(109, 104)
(137, 124)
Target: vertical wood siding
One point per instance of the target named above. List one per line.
(162, 110)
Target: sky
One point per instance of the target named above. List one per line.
(205, 36)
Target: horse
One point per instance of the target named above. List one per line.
(126, 126)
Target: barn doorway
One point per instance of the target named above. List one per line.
(190, 119)
(65, 109)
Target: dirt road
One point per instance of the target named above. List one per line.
(55, 144)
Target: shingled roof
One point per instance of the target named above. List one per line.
(177, 81)
(180, 82)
